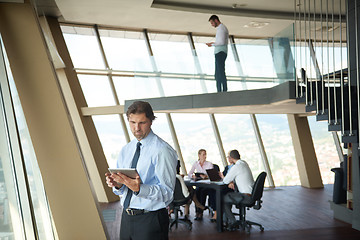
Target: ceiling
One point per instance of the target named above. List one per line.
(240, 16)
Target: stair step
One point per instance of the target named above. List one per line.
(322, 117)
(300, 100)
(334, 127)
(311, 108)
(346, 138)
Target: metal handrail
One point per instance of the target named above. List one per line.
(295, 53)
(341, 77)
(305, 55)
(322, 62)
(328, 59)
(300, 52)
(333, 47)
(317, 70)
(357, 64)
(310, 68)
(349, 77)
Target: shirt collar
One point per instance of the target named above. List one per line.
(238, 161)
(148, 139)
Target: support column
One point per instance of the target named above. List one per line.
(162, 94)
(338, 146)
(211, 115)
(253, 119)
(63, 171)
(84, 126)
(305, 155)
(262, 150)
(112, 85)
(218, 138)
(355, 181)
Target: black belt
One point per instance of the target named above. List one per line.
(134, 211)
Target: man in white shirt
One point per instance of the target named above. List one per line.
(221, 42)
(241, 176)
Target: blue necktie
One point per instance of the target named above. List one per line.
(133, 165)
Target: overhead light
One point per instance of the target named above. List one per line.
(256, 24)
(238, 5)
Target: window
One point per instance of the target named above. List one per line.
(19, 172)
(126, 50)
(83, 47)
(172, 53)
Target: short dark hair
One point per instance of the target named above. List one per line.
(141, 107)
(214, 17)
(235, 154)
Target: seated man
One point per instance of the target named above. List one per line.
(227, 168)
(241, 175)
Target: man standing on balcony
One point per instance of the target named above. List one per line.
(220, 44)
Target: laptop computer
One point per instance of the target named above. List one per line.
(213, 175)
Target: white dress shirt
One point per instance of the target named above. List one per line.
(157, 170)
(221, 39)
(241, 174)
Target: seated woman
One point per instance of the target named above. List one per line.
(200, 167)
(186, 190)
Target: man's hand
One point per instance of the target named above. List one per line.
(231, 185)
(203, 176)
(111, 182)
(133, 184)
(209, 44)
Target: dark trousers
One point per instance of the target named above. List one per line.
(230, 199)
(147, 226)
(220, 77)
(201, 195)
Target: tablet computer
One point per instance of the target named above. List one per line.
(130, 172)
(199, 174)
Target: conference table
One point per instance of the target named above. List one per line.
(218, 186)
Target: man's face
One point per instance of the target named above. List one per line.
(230, 159)
(140, 125)
(214, 23)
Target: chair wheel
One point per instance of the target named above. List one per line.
(261, 229)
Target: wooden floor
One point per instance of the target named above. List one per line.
(287, 213)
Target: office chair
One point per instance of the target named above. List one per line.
(179, 200)
(253, 202)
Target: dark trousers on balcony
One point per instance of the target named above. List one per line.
(220, 76)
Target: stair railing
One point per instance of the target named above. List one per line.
(341, 75)
(349, 75)
(334, 75)
(357, 65)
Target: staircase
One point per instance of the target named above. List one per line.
(333, 95)
(335, 100)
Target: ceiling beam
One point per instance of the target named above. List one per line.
(241, 12)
